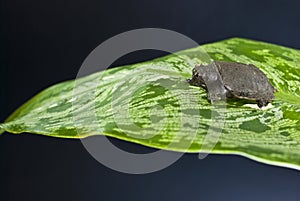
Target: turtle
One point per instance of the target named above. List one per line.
(233, 80)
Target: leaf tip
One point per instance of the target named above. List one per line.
(1, 129)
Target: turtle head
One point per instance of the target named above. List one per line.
(197, 78)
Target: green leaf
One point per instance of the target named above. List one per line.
(151, 104)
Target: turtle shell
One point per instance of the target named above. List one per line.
(245, 81)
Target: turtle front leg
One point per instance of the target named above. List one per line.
(262, 103)
(216, 91)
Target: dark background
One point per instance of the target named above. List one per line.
(46, 41)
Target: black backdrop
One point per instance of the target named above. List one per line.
(45, 42)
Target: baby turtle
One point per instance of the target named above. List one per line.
(244, 81)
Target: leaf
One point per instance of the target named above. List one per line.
(151, 104)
